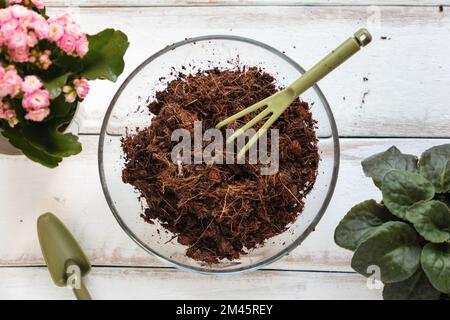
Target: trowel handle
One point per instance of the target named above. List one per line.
(82, 293)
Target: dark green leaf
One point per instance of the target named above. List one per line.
(54, 86)
(47, 138)
(105, 57)
(379, 164)
(401, 189)
(417, 287)
(359, 223)
(69, 63)
(435, 261)
(446, 177)
(393, 248)
(434, 165)
(431, 219)
(60, 108)
(444, 197)
(16, 138)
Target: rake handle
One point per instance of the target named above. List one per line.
(347, 49)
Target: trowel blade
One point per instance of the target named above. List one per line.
(60, 249)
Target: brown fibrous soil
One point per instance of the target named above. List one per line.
(220, 211)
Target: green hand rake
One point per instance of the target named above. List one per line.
(278, 102)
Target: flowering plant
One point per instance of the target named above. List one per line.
(45, 65)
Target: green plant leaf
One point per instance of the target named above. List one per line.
(379, 164)
(393, 248)
(54, 86)
(401, 189)
(69, 63)
(446, 177)
(16, 138)
(46, 137)
(431, 220)
(360, 223)
(417, 287)
(434, 165)
(435, 261)
(105, 57)
(444, 197)
(59, 108)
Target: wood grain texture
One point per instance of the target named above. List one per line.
(115, 283)
(408, 73)
(406, 95)
(150, 3)
(73, 192)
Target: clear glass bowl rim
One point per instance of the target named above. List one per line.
(314, 222)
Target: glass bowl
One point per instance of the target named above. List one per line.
(127, 111)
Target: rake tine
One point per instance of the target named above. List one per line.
(258, 134)
(248, 125)
(240, 114)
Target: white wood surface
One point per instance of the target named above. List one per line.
(408, 97)
(409, 76)
(139, 283)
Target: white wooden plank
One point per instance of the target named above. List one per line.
(407, 75)
(115, 283)
(149, 3)
(73, 192)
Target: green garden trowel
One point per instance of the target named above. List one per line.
(66, 261)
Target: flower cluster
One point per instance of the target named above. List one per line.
(79, 89)
(35, 100)
(39, 4)
(21, 29)
(10, 87)
(28, 37)
(44, 71)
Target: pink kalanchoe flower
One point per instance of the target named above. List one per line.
(37, 115)
(41, 28)
(81, 87)
(21, 12)
(20, 54)
(31, 84)
(82, 46)
(45, 61)
(4, 89)
(56, 31)
(62, 19)
(11, 82)
(67, 43)
(17, 39)
(9, 26)
(5, 15)
(73, 29)
(32, 39)
(38, 4)
(70, 94)
(37, 100)
(7, 113)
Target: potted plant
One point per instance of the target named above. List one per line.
(406, 236)
(46, 64)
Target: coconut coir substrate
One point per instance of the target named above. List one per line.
(220, 211)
